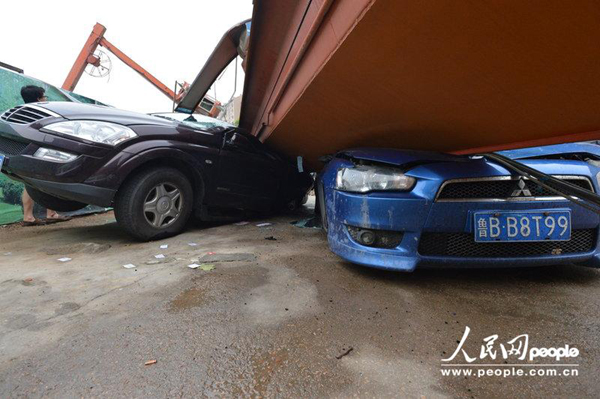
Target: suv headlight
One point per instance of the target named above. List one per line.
(99, 132)
(362, 179)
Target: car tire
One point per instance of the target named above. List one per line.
(50, 202)
(155, 203)
(322, 207)
(292, 205)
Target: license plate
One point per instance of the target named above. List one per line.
(522, 226)
(1, 161)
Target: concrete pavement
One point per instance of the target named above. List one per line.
(282, 317)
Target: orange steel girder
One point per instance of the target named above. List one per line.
(86, 56)
(82, 59)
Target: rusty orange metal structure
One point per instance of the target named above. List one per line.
(86, 56)
(225, 52)
(451, 76)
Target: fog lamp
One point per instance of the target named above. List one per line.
(54, 155)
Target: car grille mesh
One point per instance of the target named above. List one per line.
(463, 245)
(23, 115)
(501, 189)
(11, 147)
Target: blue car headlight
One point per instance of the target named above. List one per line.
(363, 179)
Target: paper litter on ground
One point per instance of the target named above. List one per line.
(192, 244)
(129, 266)
(164, 246)
(64, 259)
(193, 266)
(159, 256)
(263, 224)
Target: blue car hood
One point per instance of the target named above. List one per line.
(399, 157)
(549, 150)
(409, 157)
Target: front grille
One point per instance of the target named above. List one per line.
(503, 188)
(11, 147)
(463, 245)
(24, 114)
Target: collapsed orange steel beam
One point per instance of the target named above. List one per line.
(460, 77)
(81, 62)
(138, 68)
(86, 56)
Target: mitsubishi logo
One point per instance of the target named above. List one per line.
(521, 190)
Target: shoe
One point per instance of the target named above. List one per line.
(36, 222)
(57, 219)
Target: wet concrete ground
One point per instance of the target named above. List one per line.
(284, 318)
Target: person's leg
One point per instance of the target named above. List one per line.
(50, 214)
(27, 207)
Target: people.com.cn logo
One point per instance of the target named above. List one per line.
(517, 347)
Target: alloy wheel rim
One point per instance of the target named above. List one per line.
(163, 205)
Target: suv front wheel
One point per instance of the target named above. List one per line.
(154, 204)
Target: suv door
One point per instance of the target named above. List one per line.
(249, 177)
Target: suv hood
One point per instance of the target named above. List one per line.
(77, 111)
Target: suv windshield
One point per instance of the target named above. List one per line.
(197, 121)
(10, 89)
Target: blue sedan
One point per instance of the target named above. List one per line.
(397, 210)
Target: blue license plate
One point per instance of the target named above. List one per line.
(522, 226)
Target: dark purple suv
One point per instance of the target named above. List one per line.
(154, 170)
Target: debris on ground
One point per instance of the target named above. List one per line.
(164, 246)
(163, 260)
(28, 280)
(271, 238)
(129, 266)
(313, 222)
(241, 223)
(159, 256)
(150, 362)
(264, 224)
(204, 266)
(64, 259)
(192, 244)
(239, 257)
(346, 353)
(210, 253)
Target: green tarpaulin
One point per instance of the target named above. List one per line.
(10, 96)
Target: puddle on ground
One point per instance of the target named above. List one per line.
(188, 299)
